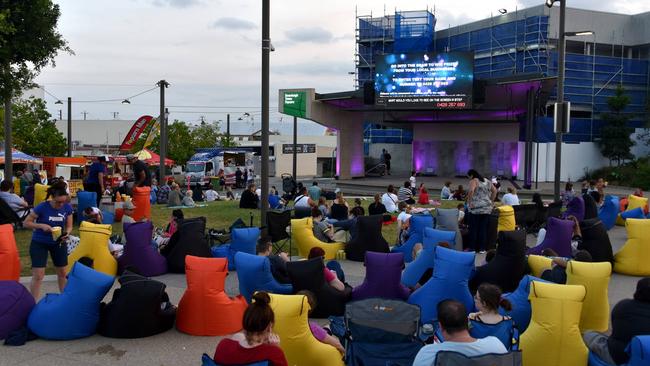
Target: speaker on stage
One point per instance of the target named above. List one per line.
(369, 92)
(479, 91)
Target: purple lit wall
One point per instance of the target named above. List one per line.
(451, 158)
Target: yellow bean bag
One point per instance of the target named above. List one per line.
(93, 244)
(553, 337)
(303, 235)
(595, 278)
(634, 258)
(632, 203)
(40, 191)
(506, 218)
(538, 264)
(296, 340)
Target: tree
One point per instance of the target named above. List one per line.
(33, 130)
(29, 41)
(616, 142)
(205, 135)
(180, 147)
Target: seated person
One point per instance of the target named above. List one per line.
(302, 200)
(339, 209)
(278, 261)
(322, 205)
(423, 195)
(211, 195)
(461, 214)
(93, 214)
(229, 195)
(452, 318)
(19, 205)
(197, 193)
(459, 194)
(256, 342)
(127, 217)
(175, 198)
(357, 203)
(188, 201)
(248, 198)
(445, 192)
(557, 273)
(349, 226)
(323, 230)
(275, 201)
(377, 208)
(321, 334)
(510, 198)
(161, 237)
(332, 271)
(629, 319)
(403, 222)
(405, 194)
(389, 199)
(487, 301)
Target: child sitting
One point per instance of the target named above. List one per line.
(93, 214)
(321, 334)
(187, 200)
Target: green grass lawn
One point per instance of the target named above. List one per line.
(219, 215)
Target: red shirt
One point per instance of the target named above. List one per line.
(230, 352)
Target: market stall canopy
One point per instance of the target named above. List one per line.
(20, 157)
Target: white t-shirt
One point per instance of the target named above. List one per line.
(301, 201)
(427, 354)
(401, 218)
(510, 199)
(390, 202)
(211, 195)
(412, 180)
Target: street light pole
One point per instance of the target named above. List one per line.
(560, 100)
(163, 129)
(69, 127)
(266, 50)
(295, 152)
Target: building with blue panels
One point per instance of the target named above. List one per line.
(509, 128)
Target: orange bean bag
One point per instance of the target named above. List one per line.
(205, 309)
(142, 204)
(9, 261)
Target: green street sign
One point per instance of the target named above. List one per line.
(295, 103)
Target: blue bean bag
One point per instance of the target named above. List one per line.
(636, 213)
(85, 199)
(254, 274)
(108, 218)
(75, 312)
(451, 273)
(15, 304)
(241, 240)
(503, 330)
(416, 231)
(639, 351)
(208, 361)
(414, 270)
(609, 211)
(521, 309)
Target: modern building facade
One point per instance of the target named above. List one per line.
(515, 54)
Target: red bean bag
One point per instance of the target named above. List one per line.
(9, 261)
(205, 309)
(142, 204)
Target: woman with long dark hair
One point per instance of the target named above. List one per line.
(52, 223)
(480, 198)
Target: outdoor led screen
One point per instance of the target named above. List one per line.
(427, 80)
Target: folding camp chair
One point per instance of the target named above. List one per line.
(381, 332)
(9, 216)
(277, 223)
(451, 358)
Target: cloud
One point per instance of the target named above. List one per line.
(313, 68)
(233, 24)
(311, 34)
(176, 3)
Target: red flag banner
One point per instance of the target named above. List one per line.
(133, 135)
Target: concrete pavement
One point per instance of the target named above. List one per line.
(175, 348)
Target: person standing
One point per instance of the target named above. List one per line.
(387, 159)
(141, 173)
(47, 219)
(95, 179)
(314, 192)
(480, 200)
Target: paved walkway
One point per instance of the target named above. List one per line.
(175, 348)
